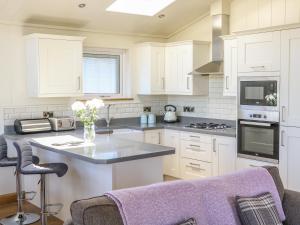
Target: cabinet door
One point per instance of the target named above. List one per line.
(230, 68)
(185, 66)
(224, 155)
(153, 137)
(157, 70)
(171, 162)
(60, 67)
(292, 13)
(171, 70)
(259, 52)
(290, 155)
(278, 12)
(290, 79)
(194, 169)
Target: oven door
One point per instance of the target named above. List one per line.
(258, 139)
(258, 93)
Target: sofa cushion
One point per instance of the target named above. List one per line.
(259, 210)
(191, 221)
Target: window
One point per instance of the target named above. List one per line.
(102, 74)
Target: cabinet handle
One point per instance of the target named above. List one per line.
(251, 165)
(195, 166)
(195, 150)
(226, 82)
(214, 145)
(188, 83)
(282, 138)
(79, 83)
(198, 146)
(159, 139)
(163, 82)
(283, 111)
(194, 137)
(258, 67)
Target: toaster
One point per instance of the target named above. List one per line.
(31, 126)
(63, 123)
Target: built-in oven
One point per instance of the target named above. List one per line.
(258, 139)
(259, 93)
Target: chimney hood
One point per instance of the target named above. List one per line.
(220, 27)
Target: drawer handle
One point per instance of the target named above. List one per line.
(195, 166)
(196, 150)
(258, 67)
(197, 146)
(194, 137)
(251, 165)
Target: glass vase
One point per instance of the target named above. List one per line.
(89, 133)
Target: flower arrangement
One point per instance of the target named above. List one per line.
(87, 113)
(271, 99)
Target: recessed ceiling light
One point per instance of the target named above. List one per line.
(139, 7)
(82, 5)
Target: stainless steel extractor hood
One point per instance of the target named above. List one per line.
(220, 27)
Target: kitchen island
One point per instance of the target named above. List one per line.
(110, 163)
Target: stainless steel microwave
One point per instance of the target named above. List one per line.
(261, 93)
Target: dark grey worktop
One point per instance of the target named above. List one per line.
(106, 149)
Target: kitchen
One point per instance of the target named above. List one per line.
(157, 69)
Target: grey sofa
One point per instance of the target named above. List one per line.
(103, 211)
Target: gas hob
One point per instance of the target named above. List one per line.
(208, 126)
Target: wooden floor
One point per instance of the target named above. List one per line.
(10, 209)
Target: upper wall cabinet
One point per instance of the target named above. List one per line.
(230, 67)
(54, 65)
(181, 58)
(150, 59)
(259, 52)
(290, 79)
(255, 14)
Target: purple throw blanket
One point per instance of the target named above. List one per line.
(210, 201)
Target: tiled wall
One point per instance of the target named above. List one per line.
(117, 111)
(213, 106)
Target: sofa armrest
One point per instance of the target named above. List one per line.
(291, 207)
(95, 211)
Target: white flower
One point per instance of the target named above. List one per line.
(77, 106)
(95, 104)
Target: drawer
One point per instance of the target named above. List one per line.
(196, 150)
(243, 163)
(194, 169)
(195, 137)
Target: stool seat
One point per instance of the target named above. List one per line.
(8, 162)
(60, 169)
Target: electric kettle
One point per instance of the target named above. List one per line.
(170, 114)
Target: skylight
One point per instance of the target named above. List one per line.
(139, 7)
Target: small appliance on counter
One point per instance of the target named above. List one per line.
(170, 114)
(63, 123)
(144, 119)
(151, 118)
(32, 126)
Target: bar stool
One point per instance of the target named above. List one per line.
(20, 217)
(26, 167)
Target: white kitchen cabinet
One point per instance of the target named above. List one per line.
(153, 137)
(290, 79)
(54, 65)
(224, 155)
(256, 14)
(171, 162)
(182, 58)
(292, 11)
(259, 53)
(151, 68)
(194, 169)
(289, 165)
(230, 67)
(243, 163)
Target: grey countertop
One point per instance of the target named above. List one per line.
(106, 149)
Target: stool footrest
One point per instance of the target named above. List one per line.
(31, 194)
(50, 211)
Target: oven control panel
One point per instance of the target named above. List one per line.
(259, 115)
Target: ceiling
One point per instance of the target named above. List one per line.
(95, 17)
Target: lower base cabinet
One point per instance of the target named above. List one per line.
(198, 155)
(289, 165)
(171, 162)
